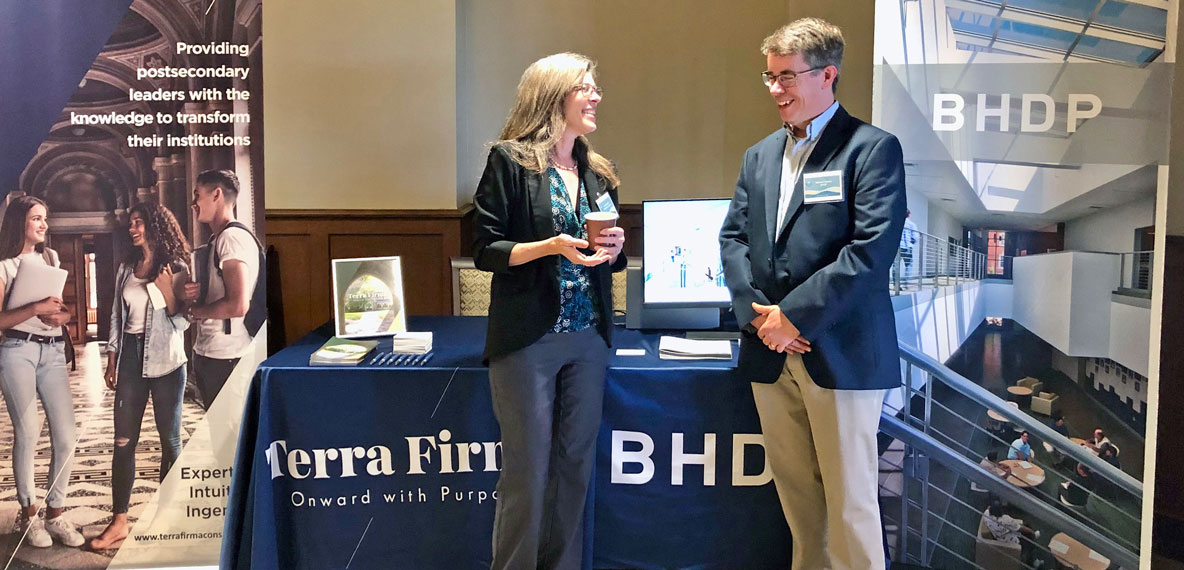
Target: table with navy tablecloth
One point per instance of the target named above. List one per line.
(390, 466)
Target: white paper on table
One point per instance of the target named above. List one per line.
(630, 352)
(412, 342)
(668, 356)
(1025, 465)
(671, 347)
(1058, 547)
(1033, 478)
(412, 338)
(690, 347)
(1095, 556)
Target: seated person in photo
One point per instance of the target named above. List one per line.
(1080, 486)
(1004, 528)
(1109, 454)
(1020, 449)
(1102, 486)
(1098, 440)
(991, 463)
(1058, 425)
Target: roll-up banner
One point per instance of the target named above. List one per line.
(1035, 133)
(133, 130)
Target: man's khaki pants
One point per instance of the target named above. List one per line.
(821, 447)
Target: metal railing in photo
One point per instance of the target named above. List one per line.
(929, 449)
(926, 262)
(1135, 271)
(920, 527)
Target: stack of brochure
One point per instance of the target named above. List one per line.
(412, 343)
(675, 348)
(341, 352)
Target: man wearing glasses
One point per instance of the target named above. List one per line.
(812, 231)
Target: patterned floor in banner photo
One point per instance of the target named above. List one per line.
(88, 502)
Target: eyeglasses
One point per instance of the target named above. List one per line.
(787, 79)
(587, 89)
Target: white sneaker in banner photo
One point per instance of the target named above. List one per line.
(64, 531)
(33, 529)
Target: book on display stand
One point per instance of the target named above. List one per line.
(368, 302)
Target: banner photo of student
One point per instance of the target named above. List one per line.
(1035, 139)
(131, 158)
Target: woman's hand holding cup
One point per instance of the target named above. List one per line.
(569, 247)
(612, 241)
(603, 231)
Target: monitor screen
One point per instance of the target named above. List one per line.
(680, 258)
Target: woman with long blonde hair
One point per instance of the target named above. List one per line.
(550, 312)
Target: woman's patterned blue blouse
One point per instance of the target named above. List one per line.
(578, 304)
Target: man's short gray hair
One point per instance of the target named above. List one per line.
(819, 42)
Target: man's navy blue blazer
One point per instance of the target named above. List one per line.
(828, 270)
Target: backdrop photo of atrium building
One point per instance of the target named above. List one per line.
(1025, 279)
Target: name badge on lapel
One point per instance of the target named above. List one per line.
(605, 203)
(822, 187)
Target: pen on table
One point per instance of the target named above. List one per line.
(399, 359)
(415, 360)
(376, 357)
(426, 358)
(390, 356)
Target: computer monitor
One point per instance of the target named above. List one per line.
(680, 258)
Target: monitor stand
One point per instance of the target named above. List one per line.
(637, 316)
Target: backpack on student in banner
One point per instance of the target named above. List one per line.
(257, 309)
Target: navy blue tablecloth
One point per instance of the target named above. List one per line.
(388, 467)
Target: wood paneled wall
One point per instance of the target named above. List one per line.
(306, 240)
